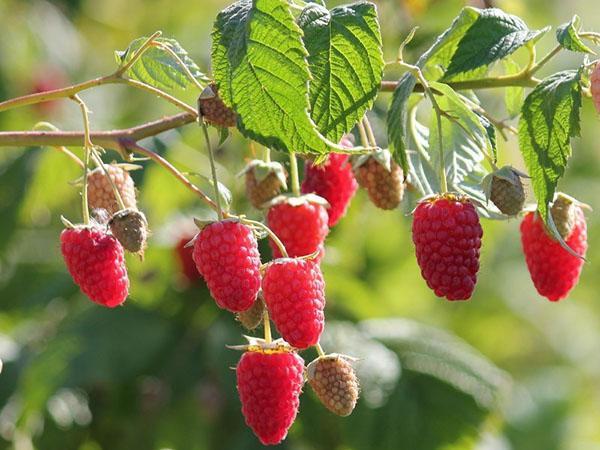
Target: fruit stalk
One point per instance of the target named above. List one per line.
(294, 174)
(213, 170)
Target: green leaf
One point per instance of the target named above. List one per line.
(567, 36)
(513, 95)
(397, 118)
(260, 65)
(491, 132)
(464, 138)
(158, 67)
(549, 119)
(492, 36)
(346, 63)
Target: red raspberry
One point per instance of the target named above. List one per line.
(294, 292)
(185, 259)
(447, 237)
(334, 181)
(269, 385)
(226, 255)
(100, 192)
(300, 223)
(96, 262)
(595, 86)
(553, 269)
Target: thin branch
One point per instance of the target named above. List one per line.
(482, 83)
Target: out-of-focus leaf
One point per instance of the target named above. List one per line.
(397, 119)
(513, 95)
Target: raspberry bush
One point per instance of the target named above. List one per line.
(299, 81)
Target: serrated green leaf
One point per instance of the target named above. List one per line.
(346, 63)
(159, 68)
(463, 138)
(568, 38)
(491, 37)
(260, 65)
(397, 118)
(549, 119)
(513, 95)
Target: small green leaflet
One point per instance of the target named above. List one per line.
(492, 36)
(157, 67)
(549, 119)
(567, 36)
(397, 119)
(346, 63)
(260, 65)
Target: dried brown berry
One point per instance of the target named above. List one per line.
(100, 191)
(563, 212)
(506, 190)
(130, 227)
(382, 178)
(264, 181)
(213, 110)
(333, 379)
(252, 317)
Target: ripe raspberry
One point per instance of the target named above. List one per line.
(506, 191)
(100, 193)
(595, 86)
(334, 381)
(264, 181)
(554, 271)
(300, 223)
(384, 186)
(447, 237)
(334, 181)
(185, 259)
(96, 262)
(213, 110)
(226, 255)
(130, 227)
(269, 384)
(294, 292)
(253, 316)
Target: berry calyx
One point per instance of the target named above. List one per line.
(382, 177)
(96, 262)
(213, 110)
(553, 269)
(269, 383)
(226, 255)
(294, 292)
(447, 237)
(130, 227)
(100, 191)
(505, 189)
(333, 379)
(264, 181)
(299, 222)
(334, 181)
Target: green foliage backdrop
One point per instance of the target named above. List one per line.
(507, 370)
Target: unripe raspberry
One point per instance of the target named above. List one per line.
(264, 181)
(595, 86)
(96, 262)
(382, 178)
(294, 292)
(300, 223)
(100, 191)
(447, 237)
(554, 271)
(333, 379)
(253, 316)
(213, 110)
(185, 260)
(130, 227)
(334, 181)
(226, 255)
(506, 190)
(269, 384)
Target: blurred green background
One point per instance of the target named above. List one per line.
(507, 370)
